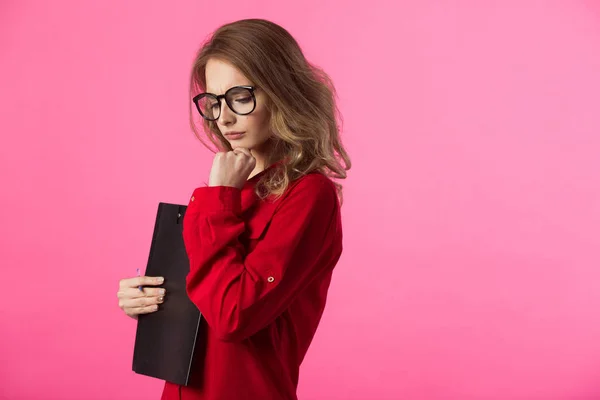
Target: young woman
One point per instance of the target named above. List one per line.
(265, 234)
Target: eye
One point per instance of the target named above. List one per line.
(243, 100)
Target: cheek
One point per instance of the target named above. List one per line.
(260, 122)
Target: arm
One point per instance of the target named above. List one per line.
(240, 294)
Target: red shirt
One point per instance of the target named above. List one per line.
(259, 274)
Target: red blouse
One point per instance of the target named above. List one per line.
(259, 274)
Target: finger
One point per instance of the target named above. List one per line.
(141, 281)
(129, 303)
(241, 150)
(142, 310)
(245, 157)
(134, 293)
(154, 292)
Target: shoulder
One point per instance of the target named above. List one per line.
(314, 180)
(312, 189)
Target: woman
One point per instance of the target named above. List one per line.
(265, 234)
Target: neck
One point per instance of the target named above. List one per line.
(261, 162)
(261, 154)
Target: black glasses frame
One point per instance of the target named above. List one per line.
(200, 96)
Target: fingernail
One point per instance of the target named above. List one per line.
(160, 279)
(160, 299)
(161, 291)
(154, 307)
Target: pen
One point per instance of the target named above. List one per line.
(139, 287)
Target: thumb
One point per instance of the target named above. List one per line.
(243, 151)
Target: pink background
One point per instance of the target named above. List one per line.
(472, 214)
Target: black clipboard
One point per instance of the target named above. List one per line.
(165, 339)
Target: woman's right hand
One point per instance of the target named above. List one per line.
(134, 301)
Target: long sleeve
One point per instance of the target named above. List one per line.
(238, 293)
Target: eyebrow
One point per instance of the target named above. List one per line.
(242, 84)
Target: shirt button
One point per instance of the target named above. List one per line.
(270, 279)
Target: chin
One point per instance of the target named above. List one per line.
(237, 144)
(246, 144)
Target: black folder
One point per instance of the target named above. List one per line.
(165, 339)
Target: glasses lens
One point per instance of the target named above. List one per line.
(209, 107)
(241, 100)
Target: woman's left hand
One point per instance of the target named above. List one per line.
(232, 168)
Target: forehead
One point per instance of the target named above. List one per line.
(221, 75)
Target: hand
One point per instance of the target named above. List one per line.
(134, 301)
(232, 168)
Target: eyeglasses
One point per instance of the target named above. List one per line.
(240, 99)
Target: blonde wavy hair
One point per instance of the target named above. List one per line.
(301, 98)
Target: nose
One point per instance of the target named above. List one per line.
(227, 116)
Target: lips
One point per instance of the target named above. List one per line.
(233, 135)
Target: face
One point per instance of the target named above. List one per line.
(249, 131)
